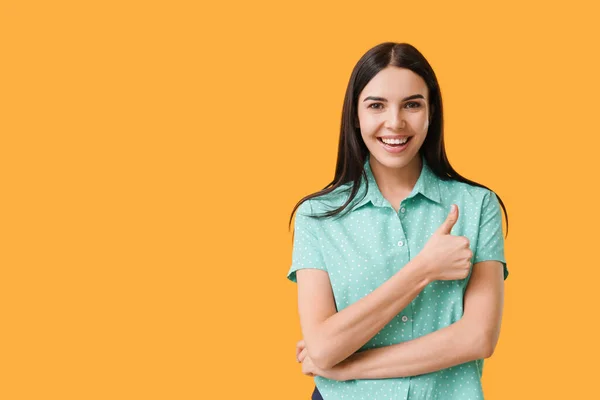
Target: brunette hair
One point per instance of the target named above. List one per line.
(352, 151)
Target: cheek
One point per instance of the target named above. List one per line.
(367, 127)
(420, 123)
(369, 122)
(426, 124)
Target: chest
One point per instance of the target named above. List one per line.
(366, 247)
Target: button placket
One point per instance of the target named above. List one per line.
(402, 242)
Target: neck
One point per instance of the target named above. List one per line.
(396, 180)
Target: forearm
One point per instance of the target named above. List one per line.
(348, 330)
(453, 345)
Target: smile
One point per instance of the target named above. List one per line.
(395, 145)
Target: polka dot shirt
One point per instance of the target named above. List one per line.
(366, 246)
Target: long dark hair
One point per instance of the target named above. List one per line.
(352, 151)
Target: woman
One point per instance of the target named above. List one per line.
(400, 296)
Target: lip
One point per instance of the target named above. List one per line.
(394, 150)
(394, 137)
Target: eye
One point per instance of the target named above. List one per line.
(416, 104)
(373, 104)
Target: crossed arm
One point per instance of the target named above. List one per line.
(474, 336)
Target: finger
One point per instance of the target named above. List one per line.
(302, 355)
(299, 346)
(451, 219)
(306, 370)
(301, 352)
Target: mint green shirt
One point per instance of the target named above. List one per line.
(366, 246)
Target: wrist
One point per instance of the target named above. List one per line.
(421, 271)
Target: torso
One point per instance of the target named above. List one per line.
(365, 247)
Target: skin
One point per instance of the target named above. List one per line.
(474, 336)
(392, 115)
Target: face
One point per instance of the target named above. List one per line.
(392, 107)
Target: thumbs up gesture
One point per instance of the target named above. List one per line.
(445, 256)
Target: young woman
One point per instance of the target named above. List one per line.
(399, 260)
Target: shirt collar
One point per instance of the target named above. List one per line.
(427, 185)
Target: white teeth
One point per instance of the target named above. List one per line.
(394, 141)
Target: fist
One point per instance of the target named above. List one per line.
(445, 256)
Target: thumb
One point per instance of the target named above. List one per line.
(446, 227)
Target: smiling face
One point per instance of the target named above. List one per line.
(393, 106)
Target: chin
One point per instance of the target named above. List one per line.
(393, 161)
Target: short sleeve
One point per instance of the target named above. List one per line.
(306, 251)
(490, 244)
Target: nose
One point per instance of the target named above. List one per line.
(395, 120)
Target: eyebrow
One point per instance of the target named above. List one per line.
(414, 96)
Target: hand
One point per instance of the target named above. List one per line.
(301, 354)
(446, 256)
(300, 348)
(308, 367)
(337, 373)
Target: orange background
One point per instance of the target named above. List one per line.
(152, 153)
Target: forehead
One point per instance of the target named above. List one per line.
(394, 82)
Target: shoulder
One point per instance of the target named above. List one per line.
(472, 199)
(453, 188)
(327, 202)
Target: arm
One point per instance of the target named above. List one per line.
(332, 336)
(473, 337)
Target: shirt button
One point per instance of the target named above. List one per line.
(402, 209)
(404, 318)
(401, 243)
